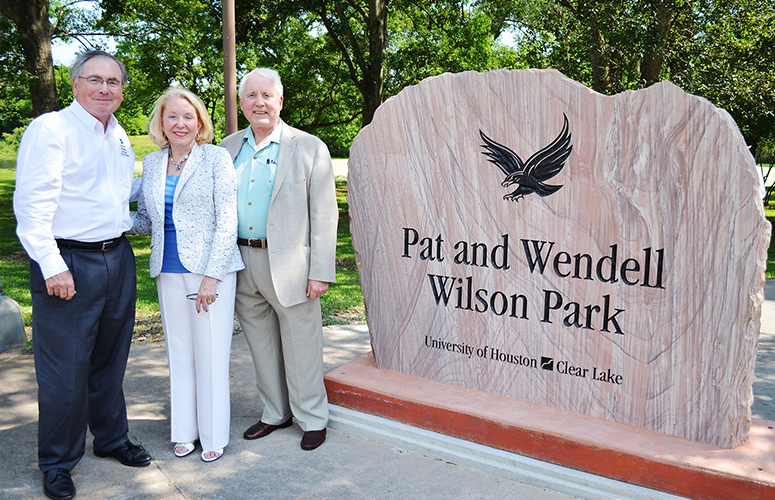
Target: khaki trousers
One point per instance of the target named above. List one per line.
(286, 344)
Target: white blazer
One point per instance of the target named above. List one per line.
(204, 211)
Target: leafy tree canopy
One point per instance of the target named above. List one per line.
(340, 59)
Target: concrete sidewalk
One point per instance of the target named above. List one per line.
(345, 467)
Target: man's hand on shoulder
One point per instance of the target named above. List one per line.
(61, 285)
(316, 288)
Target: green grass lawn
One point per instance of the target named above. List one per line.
(770, 214)
(342, 304)
(142, 145)
(14, 270)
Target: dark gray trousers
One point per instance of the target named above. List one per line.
(81, 348)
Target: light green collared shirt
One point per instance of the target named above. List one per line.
(256, 168)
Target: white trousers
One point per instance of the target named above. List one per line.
(198, 349)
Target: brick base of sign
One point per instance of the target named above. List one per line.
(625, 453)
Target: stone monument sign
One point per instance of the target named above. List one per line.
(520, 234)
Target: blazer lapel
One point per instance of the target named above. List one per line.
(285, 156)
(160, 182)
(234, 146)
(191, 165)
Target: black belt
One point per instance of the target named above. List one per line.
(87, 245)
(252, 242)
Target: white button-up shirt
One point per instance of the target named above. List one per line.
(73, 180)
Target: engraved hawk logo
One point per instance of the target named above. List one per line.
(530, 176)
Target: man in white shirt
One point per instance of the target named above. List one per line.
(73, 180)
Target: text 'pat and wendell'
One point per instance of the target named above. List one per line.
(544, 258)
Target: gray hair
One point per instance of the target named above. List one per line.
(77, 68)
(266, 73)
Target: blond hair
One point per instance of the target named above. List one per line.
(155, 131)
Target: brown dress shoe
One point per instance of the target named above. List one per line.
(260, 429)
(313, 439)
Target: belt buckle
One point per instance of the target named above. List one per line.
(106, 244)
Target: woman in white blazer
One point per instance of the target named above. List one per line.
(188, 204)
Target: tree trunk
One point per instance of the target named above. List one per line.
(31, 19)
(600, 62)
(654, 56)
(374, 74)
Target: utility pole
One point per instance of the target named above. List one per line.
(229, 67)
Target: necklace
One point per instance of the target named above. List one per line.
(179, 164)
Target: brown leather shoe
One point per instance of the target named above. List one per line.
(260, 429)
(313, 439)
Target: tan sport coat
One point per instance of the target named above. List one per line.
(303, 214)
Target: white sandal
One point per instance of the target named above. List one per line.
(188, 447)
(217, 454)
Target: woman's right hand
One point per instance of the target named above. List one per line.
(207, 294)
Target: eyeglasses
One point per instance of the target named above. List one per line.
(193, 296)
(97, 81)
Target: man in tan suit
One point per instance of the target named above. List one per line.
(286, 204)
